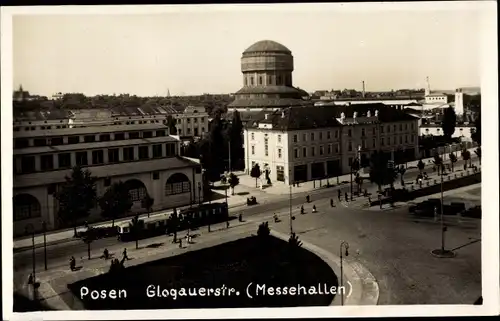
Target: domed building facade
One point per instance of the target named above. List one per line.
(267, 68)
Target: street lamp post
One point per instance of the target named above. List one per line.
(44, 226)
(30, 229)
(291, 215)
(441, 252)
(343, 246)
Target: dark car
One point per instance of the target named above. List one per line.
(425, 208)
(473, 212)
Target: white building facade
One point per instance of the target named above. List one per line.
(303, 144)
(142, 156)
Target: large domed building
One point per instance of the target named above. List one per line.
(267, 68)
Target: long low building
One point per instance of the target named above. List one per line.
(145, 157)
(307, 143)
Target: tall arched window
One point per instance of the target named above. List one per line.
(136, 189)
(26, 206)
(178, 183)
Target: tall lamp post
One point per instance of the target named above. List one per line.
(343, 246)
(30, 229)
(44, 226)
(441, 252)
(291, 215)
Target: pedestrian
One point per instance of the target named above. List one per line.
(72, 263)
(180, 242)
(125, 256)
(240, 217)
(106, 254)
(346, 197)
(331, 202)
(30, 278)
(227, 224)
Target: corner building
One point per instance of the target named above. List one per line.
(301, 144)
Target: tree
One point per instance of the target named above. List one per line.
(438, 162)
(449, 122)
(255, 173)
(466, 157)
(147, 203)
(453, 160)
(136, 227)
(89, 237)
(380, 173)
(294, 241)
(77, 196)
(116, 201)
(263, 231)
(236, 139)
(171, 124)
(476, 135)
(233, 182)
(478, 153)
(421, 165)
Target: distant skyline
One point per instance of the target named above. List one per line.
(191, 51)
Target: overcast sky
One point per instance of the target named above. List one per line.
(194, 51)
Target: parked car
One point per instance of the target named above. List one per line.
(425, 208)
(473, 212)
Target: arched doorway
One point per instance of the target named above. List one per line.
(136, 189)
(177, 183)
(26, 206)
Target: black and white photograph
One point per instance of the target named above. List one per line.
(251, 158)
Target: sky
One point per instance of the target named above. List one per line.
(193, 51)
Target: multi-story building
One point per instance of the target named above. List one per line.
(306, 143)
(143, 156)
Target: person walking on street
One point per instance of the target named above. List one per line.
(227, 224)
(331, 202)
(125, 256)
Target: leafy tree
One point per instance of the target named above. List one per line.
(466, 157)
(233, 181)
(263, 231)
(421, 165)
(476, 135)
(478, 153)
(294, 241)
(453, 160)
(147, 203)
(236, 139)
(449, 122)
(255, 173)
(115, 202)
(136, 227)
(89, 237)
(77, 196)
(380, 173)
(171, 124)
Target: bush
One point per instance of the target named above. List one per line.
(263, 230)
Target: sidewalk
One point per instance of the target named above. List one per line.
(55, 237)
(279, 188)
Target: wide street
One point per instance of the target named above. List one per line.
(393, 245)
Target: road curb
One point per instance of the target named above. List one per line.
(364, 289)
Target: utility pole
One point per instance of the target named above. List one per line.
(229, 145)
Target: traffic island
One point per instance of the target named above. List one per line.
(256, 271)
(443, 254)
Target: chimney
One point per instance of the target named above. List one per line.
(363, 89)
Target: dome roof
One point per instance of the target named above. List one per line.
(267, 46)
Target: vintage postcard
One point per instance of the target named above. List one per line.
(222, 161)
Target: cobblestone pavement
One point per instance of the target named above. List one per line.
(396, 250)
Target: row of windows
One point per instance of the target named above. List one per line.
(320, 135)
(92, 138)
(270, 78)
(28, 163)
(330, 148)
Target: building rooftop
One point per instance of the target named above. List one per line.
(89, 146)
(269, 90)
(89, 130)
(267, 46)
(267, 102)
(303, 118)
(37, 115)
(113, 170)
